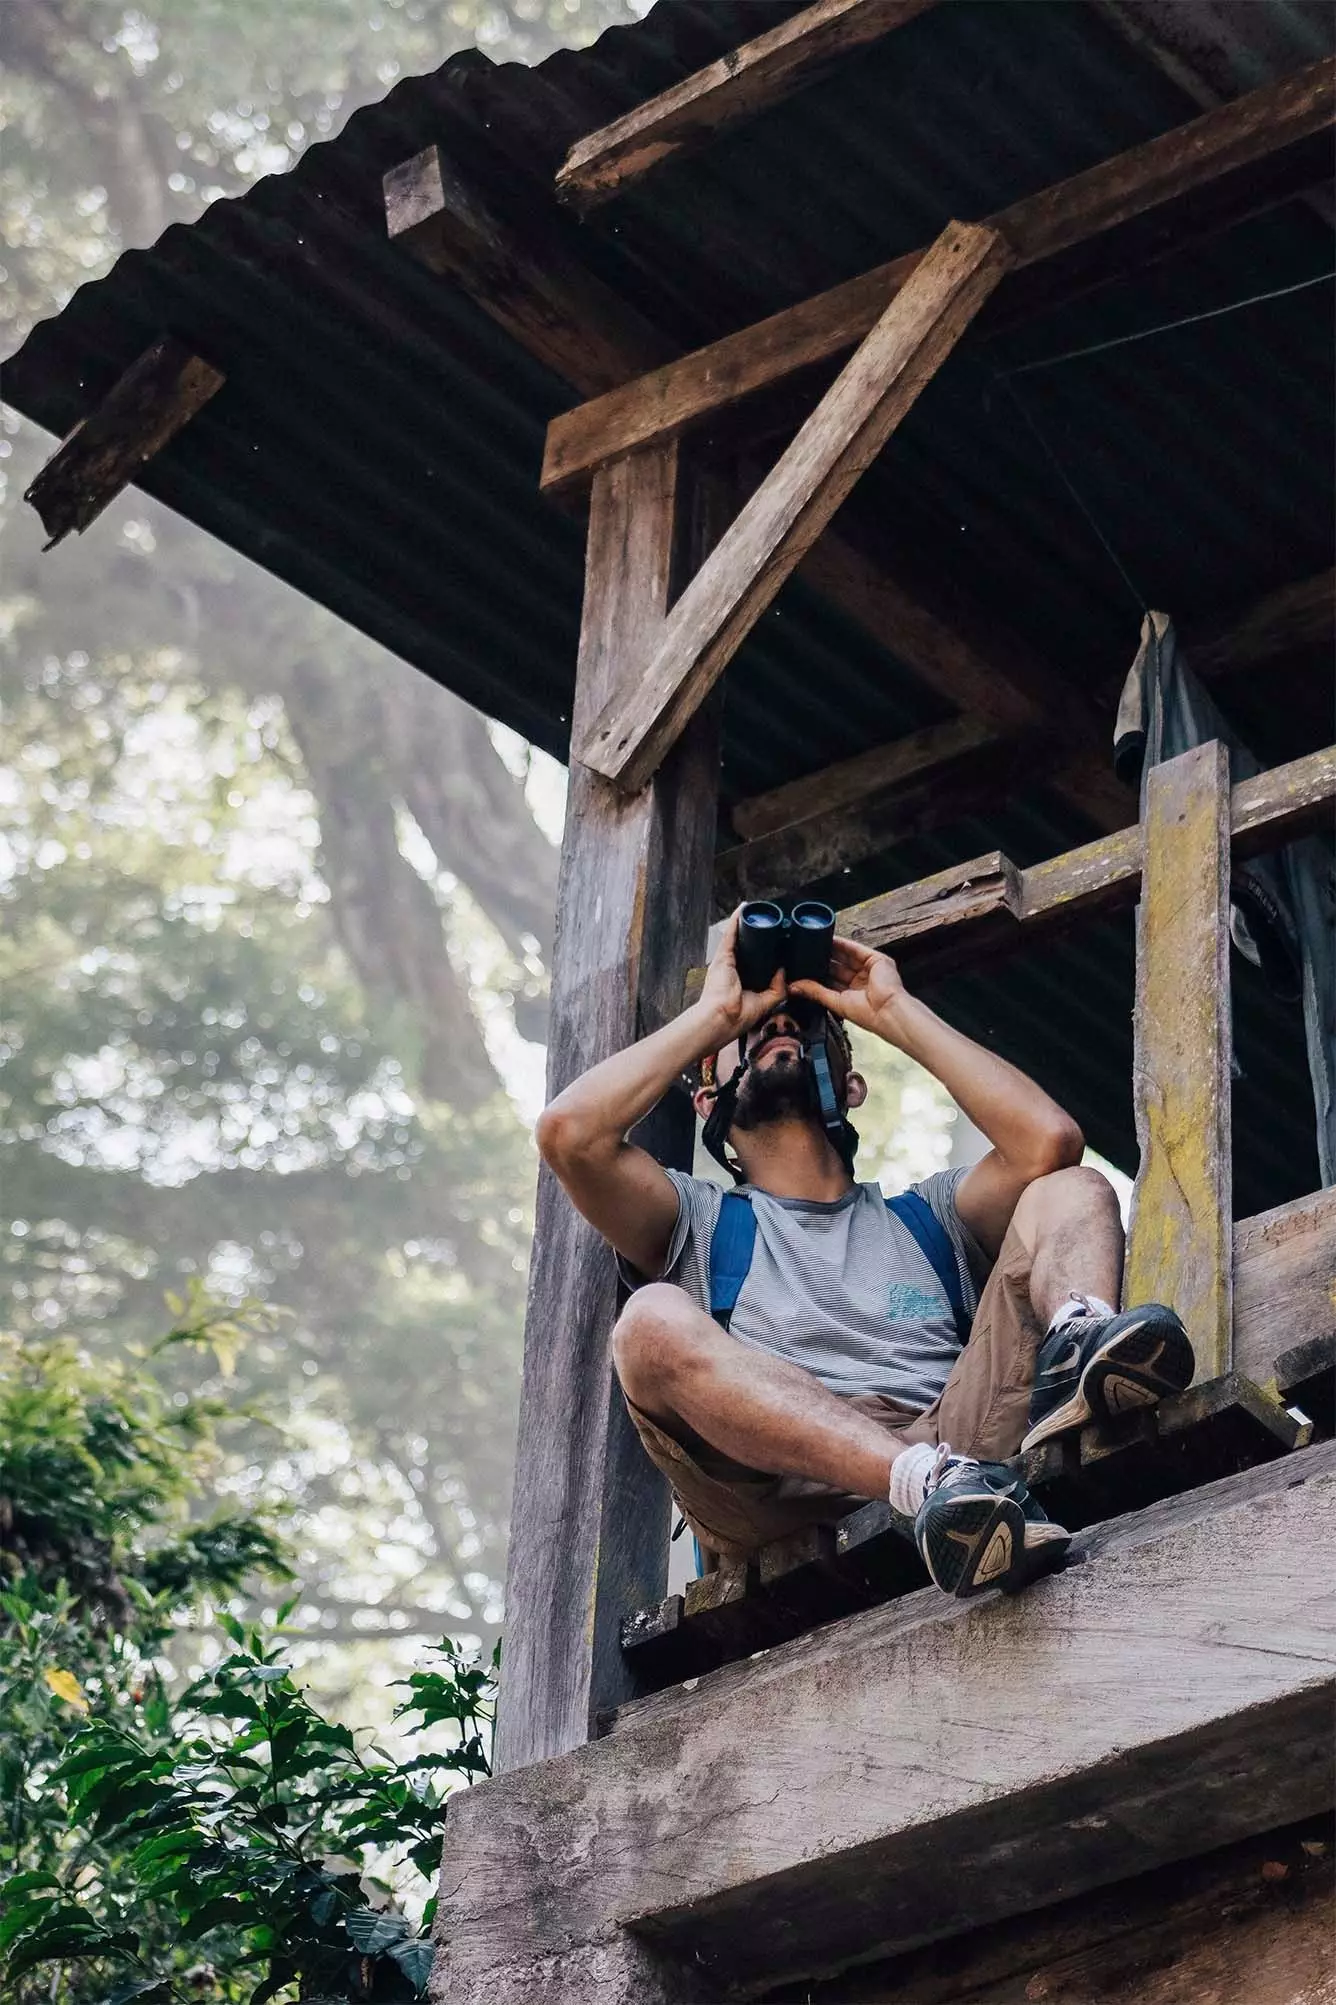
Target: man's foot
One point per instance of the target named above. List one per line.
(1102, 1367)
(979, 1527)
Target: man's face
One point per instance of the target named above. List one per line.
(778, 1083)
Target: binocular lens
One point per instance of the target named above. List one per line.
(769, 939)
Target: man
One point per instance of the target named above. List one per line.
(836, 1371)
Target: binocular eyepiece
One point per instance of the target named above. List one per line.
(769, 938)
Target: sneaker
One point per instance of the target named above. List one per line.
(979, 1527)
(1103, 1367)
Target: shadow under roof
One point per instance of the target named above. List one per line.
(378, 440)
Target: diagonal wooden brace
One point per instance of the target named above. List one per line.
(647, 711)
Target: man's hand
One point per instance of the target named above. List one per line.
(864, 988)
(734, 1009)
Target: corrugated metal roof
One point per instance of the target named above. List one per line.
(378, 440)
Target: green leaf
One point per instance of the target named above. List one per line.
(139, 1987)
(414, 1959)
(373, 1933)
(23, 1883)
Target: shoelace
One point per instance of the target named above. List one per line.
(943, 1463)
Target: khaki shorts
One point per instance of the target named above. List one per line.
(981, 1411)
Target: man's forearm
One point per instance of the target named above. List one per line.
(603, 1103)
(1019, 1119)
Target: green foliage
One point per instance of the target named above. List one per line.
(261, 1838)
(226, 1842)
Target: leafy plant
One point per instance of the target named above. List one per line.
(264, 1831)
(226, 1844)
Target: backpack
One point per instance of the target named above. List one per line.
(734, 1240)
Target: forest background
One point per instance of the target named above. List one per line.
(277, 909)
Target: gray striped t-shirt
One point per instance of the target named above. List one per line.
(841, 1288)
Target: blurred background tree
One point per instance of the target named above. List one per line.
(278, 909)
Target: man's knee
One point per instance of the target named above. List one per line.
(658, 1332)
(1078, 1192)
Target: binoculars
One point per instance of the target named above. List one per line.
(769, 938)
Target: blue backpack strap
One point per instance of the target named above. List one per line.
(915, 1212)
(731, 1247)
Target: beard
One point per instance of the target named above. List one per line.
(784, 1091)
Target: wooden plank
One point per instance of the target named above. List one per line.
(534, 288)
(1251, 133)
(787, 513)
(1179, 1246)
(947, 771)
(761, 73)
(1284, 1280)
(552, 305)
(141, 413)
(590, 1517)
(1288, 621)
(793, 1812)
(851, 781)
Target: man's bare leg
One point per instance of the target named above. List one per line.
(1070, 1223)
(675, 1363)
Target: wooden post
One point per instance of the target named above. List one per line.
(589, 1538)
(1180, 1246)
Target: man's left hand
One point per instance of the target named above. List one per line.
(864, 988)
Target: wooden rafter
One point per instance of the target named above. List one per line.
(581, 331)
(1249, 153)
(828, 820)
(747, 80)
(784, 517)
(141, 413)
(988, 905)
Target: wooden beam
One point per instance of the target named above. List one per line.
(579, 329)
(1288, 621)
(747, 80)
(936, 921)
(792, 1813)
(141, 413)
(554, 308)
(1179, 1246)
(937, 776)
(787, 513)
(851, 781)
(1284, 1281)
(590, 1517)
(1241, 146)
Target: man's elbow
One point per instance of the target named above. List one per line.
(1058, 1145)
(564, 1136)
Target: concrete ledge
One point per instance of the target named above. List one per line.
(919, 1769)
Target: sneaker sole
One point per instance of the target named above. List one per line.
(984, 1546)
(1135, 1369)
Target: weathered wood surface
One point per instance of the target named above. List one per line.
(1244, 147)
(590, 1515)
(141, 413)
(783, 518)
(1206, 1433)
(1099, 877)
(552, 305)
(1250, 1924)
(981, 773)
(761, 73)
(533, 287)
(1179, 1247)
(1306, 1379)
(1284, 1280)
(794, 1811)
(1285, 622)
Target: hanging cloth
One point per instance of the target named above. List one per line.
(1282, 905)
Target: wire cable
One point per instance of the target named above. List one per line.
(1165, 327)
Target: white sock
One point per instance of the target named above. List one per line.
(1077, 1306)
(909, 1476)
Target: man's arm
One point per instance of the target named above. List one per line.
(619, 1188)
(1030, 1133)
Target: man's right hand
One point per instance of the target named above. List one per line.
(732, 1008)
